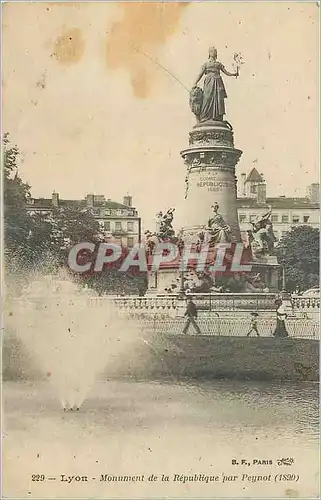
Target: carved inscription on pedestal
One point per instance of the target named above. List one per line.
(212, 184)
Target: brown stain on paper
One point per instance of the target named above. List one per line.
(69, 47)
(144, 27)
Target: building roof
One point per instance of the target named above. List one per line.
(47, 203)
(254, 176)
(281, 202)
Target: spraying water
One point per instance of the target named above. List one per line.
(72, 341)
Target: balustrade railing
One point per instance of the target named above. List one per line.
(134, 303)
(218, 314)
(300, 302)
(235, 301)
(204, 302)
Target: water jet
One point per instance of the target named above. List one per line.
(69, 340)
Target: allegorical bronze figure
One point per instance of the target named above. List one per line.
(208, 104)
(262, 234)
(219, 230)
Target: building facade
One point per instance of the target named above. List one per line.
(286, 212)
(119, 222)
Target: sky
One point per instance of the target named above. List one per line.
(95, 95)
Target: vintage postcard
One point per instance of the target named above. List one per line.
(160, 250)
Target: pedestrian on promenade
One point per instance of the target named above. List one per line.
(280, 330)
(191, 314)
(254, 318)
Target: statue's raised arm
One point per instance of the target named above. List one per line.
(208, 104)
(224, 70)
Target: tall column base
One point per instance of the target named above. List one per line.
(210, 159)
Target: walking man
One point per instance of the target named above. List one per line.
(191, 314)
(253, 324)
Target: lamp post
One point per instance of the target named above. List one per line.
(181, 290)
(283, 280)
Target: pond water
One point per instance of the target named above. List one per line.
(189, 432)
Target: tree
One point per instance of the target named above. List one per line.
(15, 195)
(111, 279)
(298, 252)
(37, 242)
(40, 243)
(74, 225)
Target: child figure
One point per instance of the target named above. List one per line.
(254, 318)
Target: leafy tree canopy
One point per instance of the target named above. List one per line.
(298, 251)
(15, 194)
(40, 242)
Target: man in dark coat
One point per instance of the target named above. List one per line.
(191, 314)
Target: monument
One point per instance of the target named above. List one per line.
(210, 208)
(211, 157)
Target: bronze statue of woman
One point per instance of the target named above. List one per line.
(214, 93)
(219, 230)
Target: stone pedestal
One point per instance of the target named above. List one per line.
(269, 270)
(210, 160)
(161, 281)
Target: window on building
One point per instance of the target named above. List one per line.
(107, 225)
(285, 218)
(130, 241)
(306, 219)
(274, 218)
(242, 217)
(130, 226)
(118, 226)
(295, 219)
(107, 212)
(253, 188)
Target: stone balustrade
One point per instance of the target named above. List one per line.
(305, 303)
(235, 301)
(138, 303)
(222, 314)
(172, 305)
(205, 302)
(228, 316)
